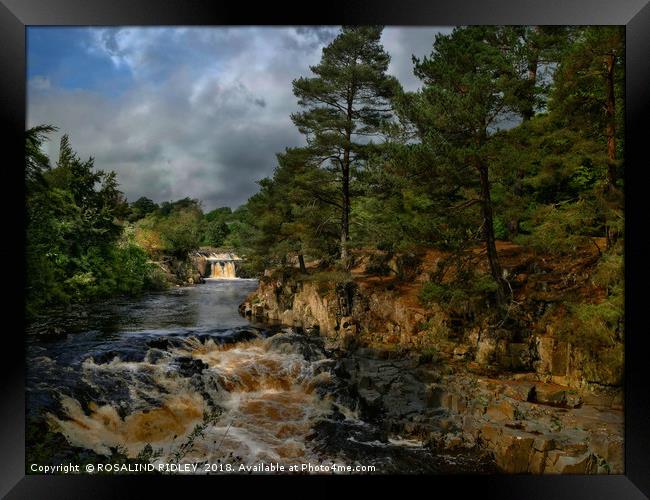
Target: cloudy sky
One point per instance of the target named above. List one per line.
(178, 112)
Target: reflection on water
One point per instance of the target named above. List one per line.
(181, 371)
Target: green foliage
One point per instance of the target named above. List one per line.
(345, 105)
(500, 229)
(326, 281)
(141, 207)
(433, 292)
(516, 133)
(468, 286)
(215, 227)
(174, 230)
(561, 229)
(36, 161)
(429, 354)
(77, 246)
(378, 264)
(599, 324)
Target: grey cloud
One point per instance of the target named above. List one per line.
(402, 44)
(209, 123)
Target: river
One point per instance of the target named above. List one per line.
(180, 377)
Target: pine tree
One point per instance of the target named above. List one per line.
(346, 104)
(589, 93)
(470, 87)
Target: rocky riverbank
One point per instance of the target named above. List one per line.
(519, 424)
(531, 400)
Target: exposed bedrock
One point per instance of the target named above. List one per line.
(525, 398)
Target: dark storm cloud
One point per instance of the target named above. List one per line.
(206, 109)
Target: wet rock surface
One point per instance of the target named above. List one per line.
(396, 417)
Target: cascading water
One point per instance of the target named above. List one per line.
(217, 265)
(182, 374)
(222, 269)
(254, 399)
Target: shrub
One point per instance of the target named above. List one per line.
(326, 281)
(560, 229)
(433, 292)
(378, 264)
(500, 229)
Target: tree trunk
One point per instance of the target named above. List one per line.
(610, 188)
(345, 212)
(301, 261)
(611, 124)
(488, 232)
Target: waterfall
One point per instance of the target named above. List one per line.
(223, 269)
(217, 265)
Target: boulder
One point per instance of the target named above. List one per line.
(513, 451)
(501, 410)
(562, 463)
(519, 391)
(544, 443)
(554, 395)
(371, 402)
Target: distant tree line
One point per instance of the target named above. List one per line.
(84, 241)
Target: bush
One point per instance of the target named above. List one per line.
(433, 292)
(500, 229)
(560, 230)
(326, 281)
(466, 287)
(378, 264)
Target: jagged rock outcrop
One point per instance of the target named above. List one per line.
(343, 311)
(515, 389)
(532, 426)
(534, 414)
(370, 315)
(527, 426)
(180, 272)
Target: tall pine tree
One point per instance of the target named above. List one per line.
(471, 85)
(345, 104)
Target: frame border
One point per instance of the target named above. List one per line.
(16, 15)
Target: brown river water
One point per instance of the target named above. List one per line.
(182, 374)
